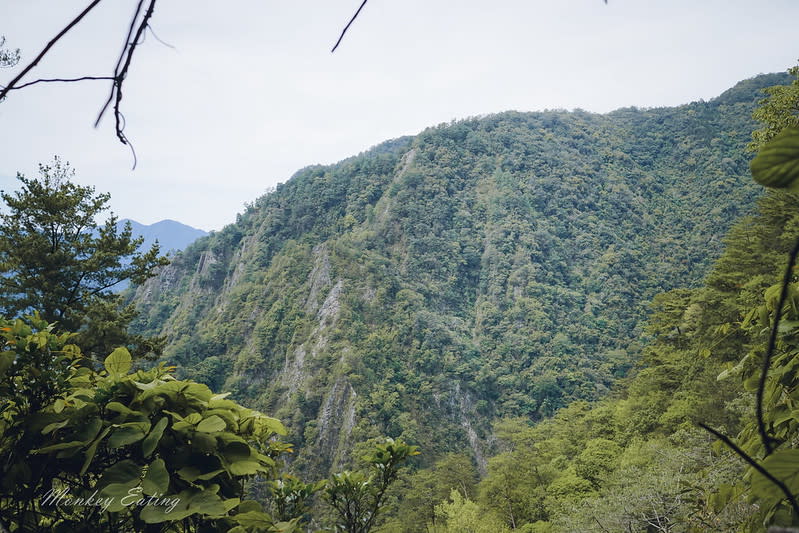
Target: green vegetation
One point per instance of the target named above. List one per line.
(492, 267)
(588, 322)
(55, 258)
(118, 450)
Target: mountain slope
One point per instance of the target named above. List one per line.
(497, 266)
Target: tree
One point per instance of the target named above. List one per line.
(357, 497)
(55, 258)
(8, 58)
(117, 450)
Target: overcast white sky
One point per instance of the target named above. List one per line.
(251, 93)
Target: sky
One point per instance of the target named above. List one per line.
(248, 92)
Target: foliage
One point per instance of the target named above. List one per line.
(357, 497)
(142, 450)
(461, 515)
(55, 258)
(499, 266)
(8, 58)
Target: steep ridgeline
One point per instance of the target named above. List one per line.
(497, 266)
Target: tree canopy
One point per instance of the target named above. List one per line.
(56, 258)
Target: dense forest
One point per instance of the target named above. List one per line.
(543, 322)
(455, 287)
(493, 267)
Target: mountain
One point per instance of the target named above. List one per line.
(171, 235)
(498, 266)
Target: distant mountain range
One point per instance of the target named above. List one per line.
(170, 234)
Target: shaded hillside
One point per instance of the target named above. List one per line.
(489, 267)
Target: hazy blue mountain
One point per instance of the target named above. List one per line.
(172, 235)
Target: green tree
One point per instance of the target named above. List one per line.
(778, 111)
(357, 497)
(117, 450)
(54, 257)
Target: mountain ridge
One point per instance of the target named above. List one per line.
(495, 266)
(172, 235)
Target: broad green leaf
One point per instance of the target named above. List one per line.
(118, 363)
(121, 495)
(127, 434)
(91, 450)
(782, 464)
(122, 409)
(211, 424)
(150, 442)
(237, 451)
(254, 519)
(274, 425)
(204, 442)
(777, 163)
(250, 505)
(245, 468)
(55, 425)
(194, 418)
(156, 480)
(124, 472)
(61, 446)
(59, 405)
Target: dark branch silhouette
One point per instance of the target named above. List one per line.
(47, 48)
(136, 30)
(344, 31)
(62, 80)
(754, 464)
(772, 344)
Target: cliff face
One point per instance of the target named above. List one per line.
(497, 266)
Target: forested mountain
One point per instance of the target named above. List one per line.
(499, 266)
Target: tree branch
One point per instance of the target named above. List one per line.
(772, 344)
(60, 80)
(47, 48)
(340, 37)
(754, 464)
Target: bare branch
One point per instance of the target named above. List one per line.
(60, 80)
(754, 464)
(772, 344)
(157, 38)
(340, 37)
(47, 48)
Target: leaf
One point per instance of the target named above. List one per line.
(127, 434)
(118, 363)
(121, 495)
(123, 472)
(211, 424)
(150, 442)
(237, 451)
(91, 450)
(194, 418)
(49, 428)
(777, 163)
(122, 409)
(59, 405)
(60, 446)
(782, 465)
(245, 468)
(156, 480)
